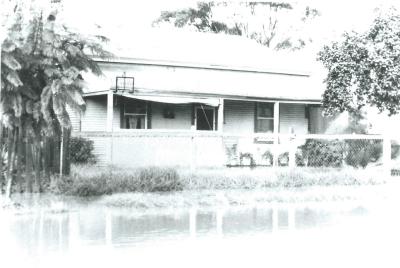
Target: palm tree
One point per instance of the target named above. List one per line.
(41, 67)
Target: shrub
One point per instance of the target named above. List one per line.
(362, 152)
(316, 153)
(268, 157)
(249, 157)
(93, 181)
(154, 179)
(355, 153)
(81, 151)
(283, 159)
(395, 150)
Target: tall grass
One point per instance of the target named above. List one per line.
(90, 180)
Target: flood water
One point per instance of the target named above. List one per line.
(86, 233)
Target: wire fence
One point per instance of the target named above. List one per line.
(31, 163)
(333, 151)
(196, 149)
(34, 165)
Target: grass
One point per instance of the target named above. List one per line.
(94, 181)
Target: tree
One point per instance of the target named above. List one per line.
(201, 18)
(364, 68)
(41, 65)
(277, 25)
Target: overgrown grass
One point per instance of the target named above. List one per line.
(281, 177)
(91, 181)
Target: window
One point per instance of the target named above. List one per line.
(205, 118)
(265, 117)
(135, 115)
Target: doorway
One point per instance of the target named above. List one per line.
(205, 118)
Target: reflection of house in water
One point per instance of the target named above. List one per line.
(171, 109)
(42, 232)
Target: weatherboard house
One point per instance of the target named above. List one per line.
(194, 107)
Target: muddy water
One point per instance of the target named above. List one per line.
(74, 232)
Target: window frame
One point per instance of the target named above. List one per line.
(205, 107)
(124, 114)
(257, 117)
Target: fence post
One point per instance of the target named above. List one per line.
(193, 153)
(386, 156)
(292, 152)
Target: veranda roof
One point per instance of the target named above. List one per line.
(172, 100)
(162, 99)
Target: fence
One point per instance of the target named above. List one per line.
(336, 151)
(32, 162)
(157, 148)
(207, 149)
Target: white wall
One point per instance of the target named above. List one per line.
(239, 117)
(94, 118)
(182, 120)
(293, 116)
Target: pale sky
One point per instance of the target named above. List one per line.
(338, 14)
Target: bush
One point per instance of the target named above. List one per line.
(81, 151)
(360, 153)
(316, 153)
(154, 179)
(94, 181)
(334, 153)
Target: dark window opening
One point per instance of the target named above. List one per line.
(205, 118)
(135, 114)
(265, 117)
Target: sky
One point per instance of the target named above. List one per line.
(337, 14)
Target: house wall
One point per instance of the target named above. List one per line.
(293, 116)
(94, 118)
(179, 148)
(239, 117)
(75, 118)
(182, 120)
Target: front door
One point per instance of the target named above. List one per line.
(205, 118)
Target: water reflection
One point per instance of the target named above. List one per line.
(41, 232)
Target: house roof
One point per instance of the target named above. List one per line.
(179, 62)
(179, 46)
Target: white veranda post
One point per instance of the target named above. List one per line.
(276, 132)
(221, 115)
(109, 126)
(110, 110)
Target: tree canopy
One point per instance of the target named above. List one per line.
(277, 25)
(41, 65)
(364, 68)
